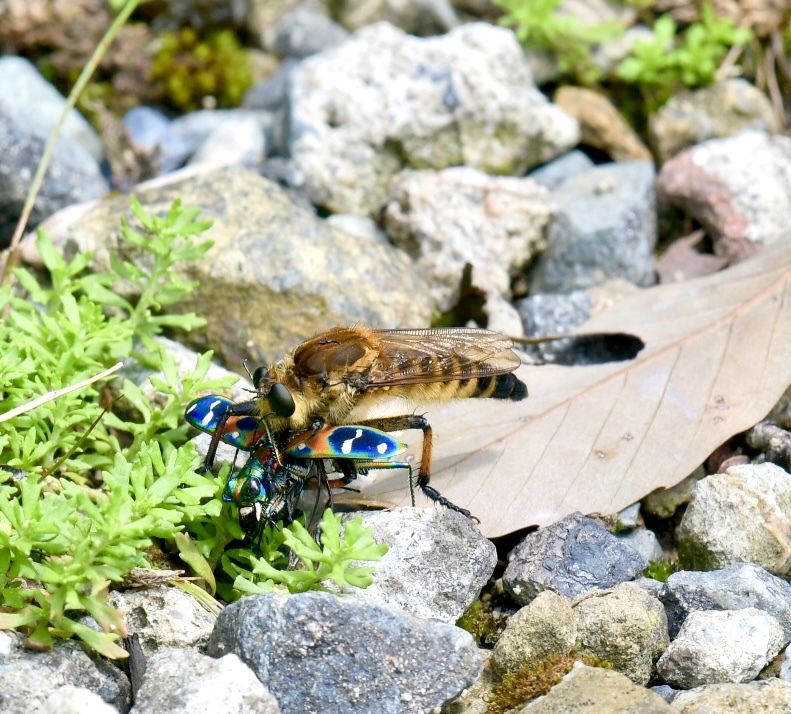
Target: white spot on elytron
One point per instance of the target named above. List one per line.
(234, 434)
(348, 445)
(301, 446)
(382, 448)
(209, 418)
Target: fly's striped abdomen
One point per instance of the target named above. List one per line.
(503, 386)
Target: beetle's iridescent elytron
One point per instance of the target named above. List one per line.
(339, 375)
(269, 485)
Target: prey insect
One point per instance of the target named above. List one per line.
(342, 374)
(269, 485)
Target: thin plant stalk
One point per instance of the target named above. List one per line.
(12, 256)
(53, 395)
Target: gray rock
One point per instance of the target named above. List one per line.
(608, 54)
(571, 557)
(147, 127)
(501, 316)
(75, 700)
(449, 218)
(723, 109)
(740, 516)
(769, 695)
(720, 646)
(592, 13)
(437, 564)
(781, 412)
(545, 627)
(271, 93)
(304, 31)
(202, 13)
(285, 174)
(624, 626)
(591, 690)
(27, 679)
(36, 106)
(73, 175)
(733, 588)
(163, 617)
(651, 586)
(384, 101)
(543, 65)
(359, 227)
(738, 188)
(179, 680)
(645, 542)
(785, 665)
(237, 140)
(605, 227)
(321, 653)
(665, 691)
(664, 502)
(476, 698)
(261, 17)
(571, 164)
(276, 275)
(188, 133)
(629, 517)
(425, 18)
(559, 313)
(554, 314)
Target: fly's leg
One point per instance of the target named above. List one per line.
(241, 409)
(413, 421)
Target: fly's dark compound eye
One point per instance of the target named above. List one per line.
(260, 375)
(280, 400)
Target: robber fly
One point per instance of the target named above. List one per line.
(345, 371)
(269, 485)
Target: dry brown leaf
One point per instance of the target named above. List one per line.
(681, 261)
(598, 438)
